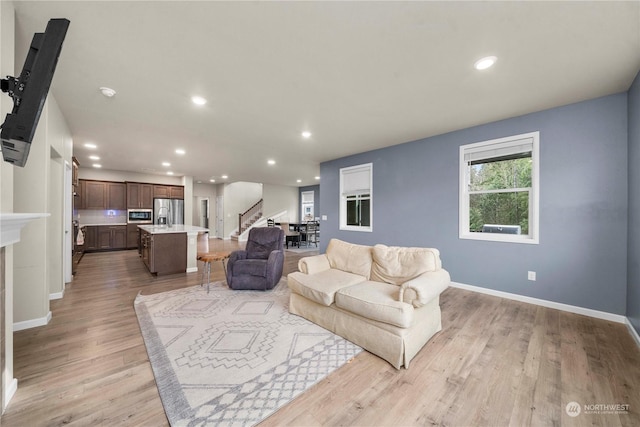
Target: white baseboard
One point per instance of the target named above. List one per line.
(544, 303)
(633, 332)
(192, 269)
(12, 387)
(56, 295)
(33, 323)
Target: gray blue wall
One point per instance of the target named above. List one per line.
(633, 273)
(582, 256)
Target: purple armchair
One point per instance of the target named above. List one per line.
(259, 266)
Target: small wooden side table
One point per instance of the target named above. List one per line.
(207, 258)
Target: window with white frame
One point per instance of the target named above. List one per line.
(499, 189)
(307, 205)
(356, 209)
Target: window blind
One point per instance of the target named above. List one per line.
(499, 151)
(356, 181)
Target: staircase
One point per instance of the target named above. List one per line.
(247, 219)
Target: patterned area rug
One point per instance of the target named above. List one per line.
(233, 357)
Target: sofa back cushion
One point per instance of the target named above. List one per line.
(396, 265)
(351, 258)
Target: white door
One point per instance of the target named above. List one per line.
(204, 213)
(68, 224)
(220, 217)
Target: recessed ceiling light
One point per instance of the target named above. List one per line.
(317, 177)
(94, 157)
(225, 176)
(298, 181)
(199, 182)
(212, 180)
(306, 134)
(180, 151)
(97, 165)
(169, 173)
(198, 100)
(271, 162)
(484, 63)
(166, 164)
(90, 145)
(108, 92)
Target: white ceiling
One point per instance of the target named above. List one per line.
(358, 75)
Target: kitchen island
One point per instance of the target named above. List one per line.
(169, 250)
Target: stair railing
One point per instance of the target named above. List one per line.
(244, 219)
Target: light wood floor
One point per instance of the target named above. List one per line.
(496, 362)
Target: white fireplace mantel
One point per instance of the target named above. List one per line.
(12, 223)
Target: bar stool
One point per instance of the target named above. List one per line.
(207, 258)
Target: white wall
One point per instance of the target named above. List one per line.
(6, 198)
(200, 192)
(238, 197)
(278, 198)
(112, 175)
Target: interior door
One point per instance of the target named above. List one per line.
(219, 216)
(68, 223)
(204, 213)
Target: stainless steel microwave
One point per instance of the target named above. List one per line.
(140, 216)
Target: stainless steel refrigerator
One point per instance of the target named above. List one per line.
(168, 211)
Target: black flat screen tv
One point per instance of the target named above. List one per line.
(29, 91)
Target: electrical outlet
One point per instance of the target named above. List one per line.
(531, 275)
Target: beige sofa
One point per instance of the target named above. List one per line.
(384, 299)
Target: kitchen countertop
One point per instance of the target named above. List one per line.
(163, 229)
(99, 225)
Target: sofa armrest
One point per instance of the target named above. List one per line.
(313, 264)
(424, 288)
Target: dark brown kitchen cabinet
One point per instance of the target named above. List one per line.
(95, 195)
(79, 195)
(105, 237)
(103, 195)
(160, 191)
(139, 195)
(90, 238)
(168, 192)
(116, 196)
(132, 236)
(164, 253)
(176, 192)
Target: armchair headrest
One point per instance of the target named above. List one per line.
(263, 240)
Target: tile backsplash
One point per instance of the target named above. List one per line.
(99, 217)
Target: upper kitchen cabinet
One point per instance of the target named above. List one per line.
(95, 195)
(139, 196)
(168, 192)
(75, 165)
(176, 192)
(103, 195)
(116, 195)
(80, 195)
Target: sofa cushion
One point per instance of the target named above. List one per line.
(396, 265)
(321, 287)
(348, 257)
(376, 301)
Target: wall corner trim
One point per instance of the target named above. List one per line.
(544, 303)
(9, 392)
(33, 323)
(633, 332)
(56, 295)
